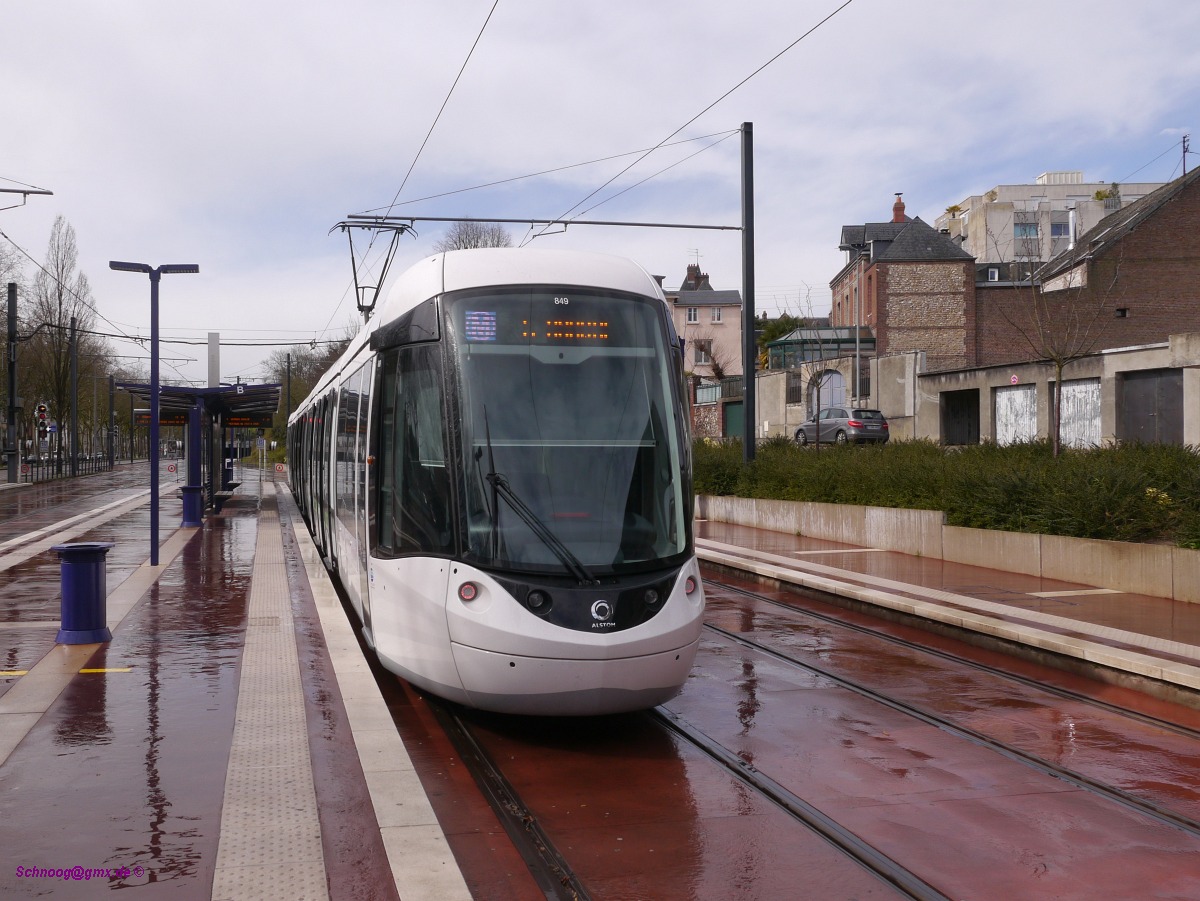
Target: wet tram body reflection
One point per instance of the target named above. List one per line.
(497, 471)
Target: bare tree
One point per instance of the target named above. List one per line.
(60, 293)
(11, 266)
(1060, 312)
(304, 365)
(464, 235)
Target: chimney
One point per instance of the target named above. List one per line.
(898, 209)
(695, 280)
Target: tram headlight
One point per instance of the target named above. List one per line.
(538, 601)
(468, 591)
(651, 597)
(689, 585)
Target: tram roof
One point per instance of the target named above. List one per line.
(457, 270)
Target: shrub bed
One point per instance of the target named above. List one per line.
(1147, 493)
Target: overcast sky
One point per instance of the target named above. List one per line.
(235, 135)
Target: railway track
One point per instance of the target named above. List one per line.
(1150, 808)
(694, 743)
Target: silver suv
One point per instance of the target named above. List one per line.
(840, 425)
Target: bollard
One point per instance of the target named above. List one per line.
(84, 620)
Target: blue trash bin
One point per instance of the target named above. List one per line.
(84, 592)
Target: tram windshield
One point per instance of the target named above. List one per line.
(569, 408)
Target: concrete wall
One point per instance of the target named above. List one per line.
(1181, 351)
(1156, 570)
(894, 388)
(775, 415)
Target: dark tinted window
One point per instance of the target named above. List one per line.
(414, 487)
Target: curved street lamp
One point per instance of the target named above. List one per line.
(155, 273)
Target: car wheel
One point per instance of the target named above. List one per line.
(840, 437)
(802, 437)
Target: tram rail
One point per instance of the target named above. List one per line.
(1075, 778)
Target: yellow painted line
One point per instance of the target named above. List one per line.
(113, 669)
(13, 672)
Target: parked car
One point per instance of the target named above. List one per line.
(839, 425)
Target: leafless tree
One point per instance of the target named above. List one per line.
(1062, 318)
(11, 266)
(305, 364)
(60, 292)
(469, 235)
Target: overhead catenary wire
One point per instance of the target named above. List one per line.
(699, 114)
(67, 288)
(420, 150)
(553, 171)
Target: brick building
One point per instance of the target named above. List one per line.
(912, 286)
(1132, 279)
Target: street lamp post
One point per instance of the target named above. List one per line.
(155, 273)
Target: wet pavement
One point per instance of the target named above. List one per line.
(120, 763)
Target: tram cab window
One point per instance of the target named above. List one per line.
(414, 487)
(569, 396)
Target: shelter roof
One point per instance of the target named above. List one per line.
(224, 401)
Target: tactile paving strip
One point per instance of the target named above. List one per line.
(270, 843)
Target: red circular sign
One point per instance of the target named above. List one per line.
(170, 467)
(279, 467)
(25, 469)
(1014, 379)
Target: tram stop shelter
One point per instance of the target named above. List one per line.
(211, 416)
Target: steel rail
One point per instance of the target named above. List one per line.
(829, 829)
(1078, 780)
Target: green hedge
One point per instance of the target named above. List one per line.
(1148, 493)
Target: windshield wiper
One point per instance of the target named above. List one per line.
(501, 488)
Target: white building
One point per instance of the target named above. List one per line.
(1032, 223)
(710, 323)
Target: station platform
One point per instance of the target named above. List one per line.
(231, 741)
(1139, 641)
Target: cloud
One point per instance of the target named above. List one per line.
(236, 135)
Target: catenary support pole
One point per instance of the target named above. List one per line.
(749, 342)
(74, 446)
(10, 439)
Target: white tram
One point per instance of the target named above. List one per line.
(498, 472)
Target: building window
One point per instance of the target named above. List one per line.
(703, 350)
(993, 274)
(716, 314)
(1060, 229)
(1025, 230)
(693, 314)
(1122, 312)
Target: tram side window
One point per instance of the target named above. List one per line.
(414, 487)
(347, 430)
(360, 461)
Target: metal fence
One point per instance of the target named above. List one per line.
(41, 469)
